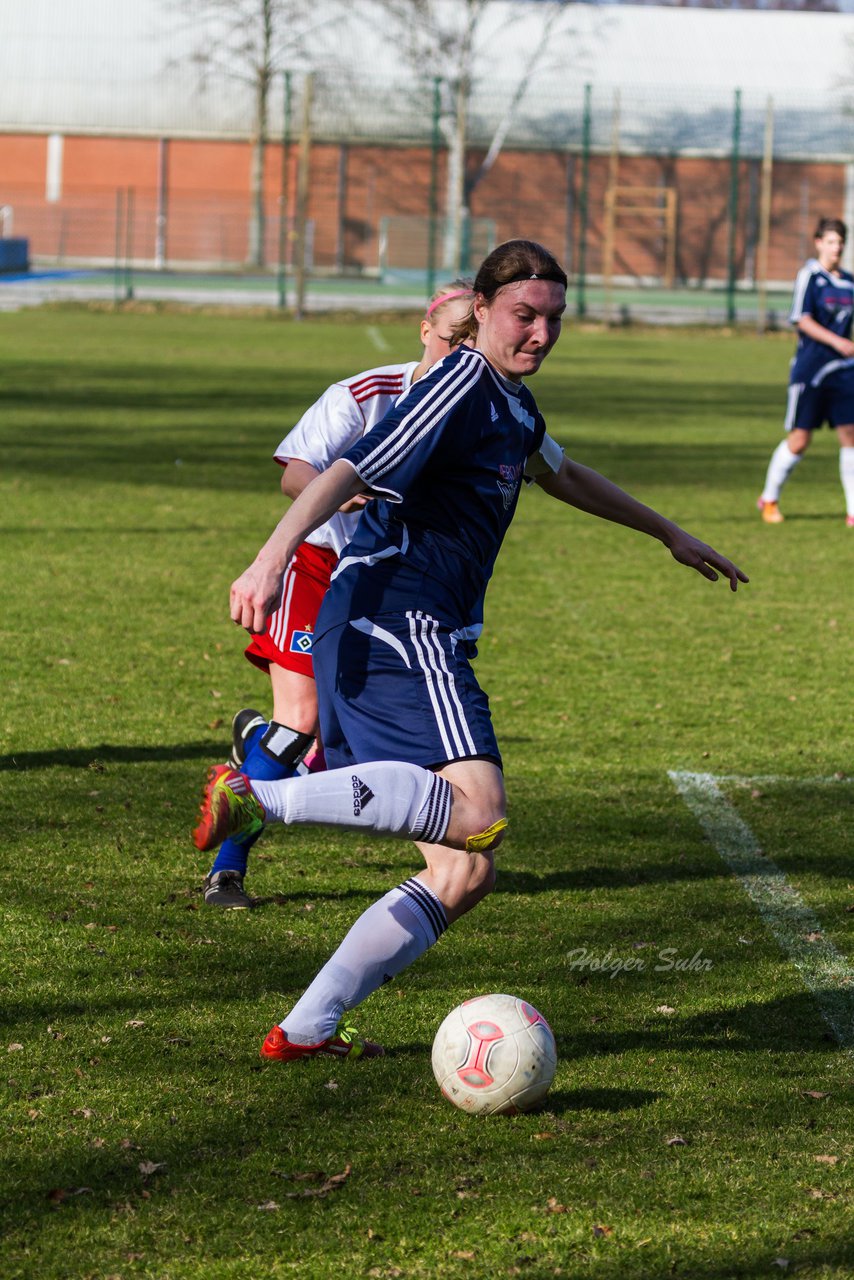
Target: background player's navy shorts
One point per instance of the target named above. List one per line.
(831, 401)
(400, 687)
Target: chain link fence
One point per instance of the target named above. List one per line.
(694, 203)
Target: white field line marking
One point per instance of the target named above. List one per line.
(779, 779)
(377, 338)
(826, 973)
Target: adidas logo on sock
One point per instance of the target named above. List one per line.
(362, 795)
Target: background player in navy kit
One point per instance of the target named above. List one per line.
(821, 379)
(406, 728)
(344, 412)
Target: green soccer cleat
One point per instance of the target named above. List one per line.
(229, 808)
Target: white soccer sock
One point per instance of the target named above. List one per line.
(386, 938)
(782, 463)
(387, 796)
(846, 474)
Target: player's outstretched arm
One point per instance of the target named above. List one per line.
(255, 592)
(586, 489)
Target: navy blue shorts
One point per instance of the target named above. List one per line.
(400, 687)
(832, 401)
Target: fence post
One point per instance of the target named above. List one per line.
(733, 207)
(281, 278)
(117, 277)
(765, 217)
(161, 217)
(300, 238)
(129, 215)
(433, 215)
(581, 283)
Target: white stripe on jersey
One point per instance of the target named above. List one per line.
(829, 368)
(346, 561)
(379, 633)
(448, 710)
(423, 418)
(802, 279)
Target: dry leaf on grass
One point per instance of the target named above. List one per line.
(147, 1167)
(60, 1194)
(600, 1230)
(813, 1093)
(332, 1183)
(552, 1206)
(826, 1159)
(676, 1141)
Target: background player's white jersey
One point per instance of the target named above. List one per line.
(341, 416)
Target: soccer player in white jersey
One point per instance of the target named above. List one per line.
(821, 378)
(406, 728)
(343, 414)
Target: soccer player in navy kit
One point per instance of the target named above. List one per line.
(406, 728)
(343, 414)
(821, 378)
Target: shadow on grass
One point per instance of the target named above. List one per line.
(560, 1101)
(103, 752)
(791, 1023)
(593, 876)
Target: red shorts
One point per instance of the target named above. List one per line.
(287, 640)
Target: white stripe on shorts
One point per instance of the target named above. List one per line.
(278, 628)
(447, 707)
(794, 394)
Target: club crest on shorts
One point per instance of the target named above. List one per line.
(300, 642)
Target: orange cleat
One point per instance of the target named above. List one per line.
(346, 1043)
(771, 512)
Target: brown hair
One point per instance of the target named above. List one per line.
(830, 224)
(511, 261)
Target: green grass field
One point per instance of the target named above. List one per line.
(700, 1120)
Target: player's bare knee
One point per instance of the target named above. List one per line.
(464, 883)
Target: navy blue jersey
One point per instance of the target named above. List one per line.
(447, 463)
(829, 298)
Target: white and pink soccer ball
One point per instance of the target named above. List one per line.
(494, 1055)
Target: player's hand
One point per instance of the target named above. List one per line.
(845, 347)
(254, 595)
(698, 555)
(355, 504)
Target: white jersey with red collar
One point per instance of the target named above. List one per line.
(341, 416)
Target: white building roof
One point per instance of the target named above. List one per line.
(127, 66)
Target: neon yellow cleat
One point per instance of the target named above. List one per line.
(229, 808)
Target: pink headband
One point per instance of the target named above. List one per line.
(447, 297)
